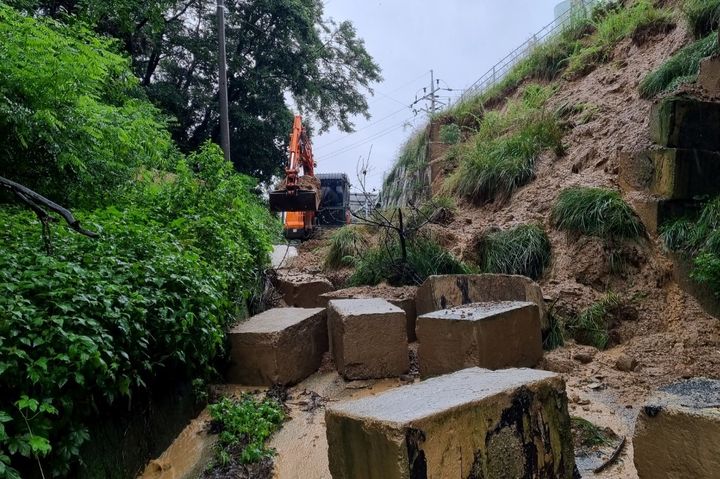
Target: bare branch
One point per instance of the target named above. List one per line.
(36, 201)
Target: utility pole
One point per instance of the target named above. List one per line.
(432, 91)
(431, 97)
(222, 59)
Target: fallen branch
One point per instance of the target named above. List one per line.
(36, 202)
(613, 457)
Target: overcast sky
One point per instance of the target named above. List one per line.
(459, 39)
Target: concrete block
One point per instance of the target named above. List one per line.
(368, 338)
(677, 433)
(302, 290)
(672, 173)
(470, 424)
(686, 123)
(402, 297)
(489, 335)
(654, 212)
(279, 346)
(447, 291)
(709, 76)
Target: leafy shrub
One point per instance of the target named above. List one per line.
(244, 425)
(595, 212)
(424, 258)
(523, 250)
(592, 324)
(683, 67)
(611, 28)
(450, 134)
(703, 16)
(346, 245)
(501, 156)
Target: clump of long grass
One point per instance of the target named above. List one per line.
(595, 212)
(501, 155)
(346, 245)
(703, 16)
(683, 67)
(523, 250)
(591, 326)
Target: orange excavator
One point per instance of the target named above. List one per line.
(298, 196)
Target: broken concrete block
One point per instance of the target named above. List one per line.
(654, 212)
(671, 173)
(402, 297)
(489, 335)
(473, 423)
(279, 346)
(368, 338)
(447, 291)
(686, 123)
(709, 76)
(677, 433)
(302, 290)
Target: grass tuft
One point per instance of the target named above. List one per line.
(683, 67)
(523, 250)
(346, 245)
(595, 212)
(591, 326)
(703, 16)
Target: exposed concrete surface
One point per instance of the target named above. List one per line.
(402, 297)
(709, 76)
(677, 434)
(678, 122)
(301, 290)
(489, 335)
(368, 338)
(282, 345)
(282, 255)
(653, 211)
(447, 291)
(470, 424)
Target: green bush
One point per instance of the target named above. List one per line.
(424, 258)
(595, 212)
(613, 27)
(244, 425)
(450, 134)
(682, 67)
(501, 156)
(346, 245)
(703, 16)
(591, 326)
(523, 250)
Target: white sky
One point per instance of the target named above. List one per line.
(459, 39)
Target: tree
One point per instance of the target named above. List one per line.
(279, 52)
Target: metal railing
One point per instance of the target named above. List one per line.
(499, 71)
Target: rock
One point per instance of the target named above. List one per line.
(368, 338)
(583, 357)
(489, 335)
(447, 291)
(709, 76)
(625, 363)
(677, 433)
(677, 122)
(279, 346)
(302, 290)
(470, 424)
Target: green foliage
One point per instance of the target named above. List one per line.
(425, 257)
(682, 67)
(591, 325)
(245, 424)
(556, 335)
(698, 239)
(611, 28)
(523, 250)
(501, 156)
(703, 16)
(595, 212)
(450, 134)
(346, 245)
(587, 435)
(70, 120)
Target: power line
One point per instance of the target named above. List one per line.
(348, 135)
(369, 139)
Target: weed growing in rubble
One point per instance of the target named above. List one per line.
(683, 67)
(523, 250)
(501, 155)
(611, 28)
(703, 16)
(346, 244)
(592, 324)
(243, 426)
(595, 212)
